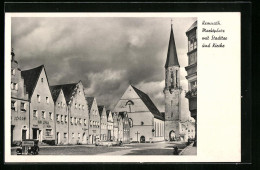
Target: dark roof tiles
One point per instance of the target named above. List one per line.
(90, 101)
(31, 77)
(67, 90)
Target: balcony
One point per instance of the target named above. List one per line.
(191, 93)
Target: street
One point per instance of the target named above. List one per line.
(160, 148)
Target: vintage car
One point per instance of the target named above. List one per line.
(28, 147)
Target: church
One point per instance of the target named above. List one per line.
(145, 120)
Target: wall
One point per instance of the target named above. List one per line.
(94, 130)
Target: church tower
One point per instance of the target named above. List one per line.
(172, 92)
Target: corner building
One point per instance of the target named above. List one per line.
(19, 105)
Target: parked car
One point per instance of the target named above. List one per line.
(29, 146)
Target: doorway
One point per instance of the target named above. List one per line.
(35, 135)
(172, 135)
(58, 137)
(24, 134)
(40, 135)
(142, 139)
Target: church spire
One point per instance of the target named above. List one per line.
(172, 58)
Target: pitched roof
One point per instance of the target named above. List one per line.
(194, 25)
(90, 102)
(121, 114)
(149, 103)
(31, 77)
(67, 89)
(172, 58)
(55, 93)
(108, 111)
(100, 109)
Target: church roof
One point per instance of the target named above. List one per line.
(149, 103)
(67, 89)
(194, 25)
(172, 58)
(90, 102)
(31, 77)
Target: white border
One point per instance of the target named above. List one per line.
(218, 108)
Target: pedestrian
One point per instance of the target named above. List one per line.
(175, 150)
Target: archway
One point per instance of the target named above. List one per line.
(142, 139)
(172, 136)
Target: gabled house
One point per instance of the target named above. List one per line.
(115, 126)
(110, 130)
(94, 120)
(103, 123)
(41, 105)
(78, 115)
(61, 115)
(145, 121)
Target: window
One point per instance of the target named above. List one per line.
(38, 98)
(193, 84)
(75, 120)
(49, 132)
(78, 135)
(42, 80)
(85, 122)
(73, 135)
(66, 118)
(13, 71)
(58, 117)
(35, 113)
(65, 135)
(195, 43)
(14, 86)
(80, 121)
(58, 104)
(61, 117)
(47, 100)
(83, 107)
(43, 115)
(23, 106)
(50, 115)
(79, 106)
(131, 122)
(71, 120)
(75, 105)
(13, 105)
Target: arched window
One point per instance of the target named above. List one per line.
(130, 122)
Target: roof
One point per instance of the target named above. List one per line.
(172, 58)
(149, 103)
(90, 102)
(100, 109)
(108, 111)
(121, 114)
(67, 89)
(194, 25)
(55, 93)
(31, 77)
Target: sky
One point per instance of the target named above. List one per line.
(106, 54)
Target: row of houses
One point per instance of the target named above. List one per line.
(59, 114)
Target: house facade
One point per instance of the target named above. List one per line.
(61, 115)
(94, 120)
(110, 123)
(19, 105)
(191, 69)
(103, 123)
(42, 123)
(78, 115)
(115, 126)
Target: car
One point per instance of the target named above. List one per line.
(28, 147)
